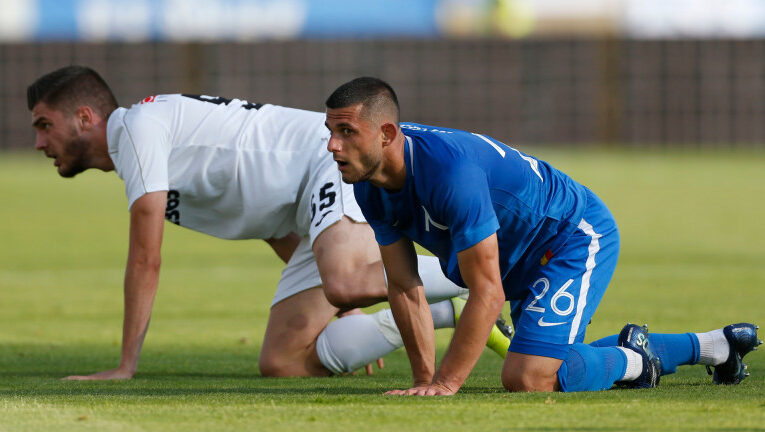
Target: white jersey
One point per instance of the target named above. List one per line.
(232, 169)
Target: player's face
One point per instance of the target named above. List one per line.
(58, 137)
(355, 143)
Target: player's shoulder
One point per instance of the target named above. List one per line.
(154, 106)
(157, 100)
(151, 116)
(435, 152)
(437, 141)
(186, 103)
(430, 134)
(172, 111)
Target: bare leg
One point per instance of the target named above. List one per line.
(300, 327)
(350, 266)
(289, 345)
(530, 373)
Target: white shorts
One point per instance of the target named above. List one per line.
(326, 200)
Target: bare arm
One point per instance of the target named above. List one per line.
(479, 266)
(410, 309)
(141, 279)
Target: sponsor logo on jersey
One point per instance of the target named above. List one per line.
(171, 210)
(326, 201)
(542, 323)
(430, 222)
(424, 129)
(148, 99)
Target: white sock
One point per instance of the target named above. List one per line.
(634, 364)
(353, 341)
(437, 286)
(386, 325)
(714, 349)
(443, 314)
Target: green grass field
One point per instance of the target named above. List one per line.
(693, 248)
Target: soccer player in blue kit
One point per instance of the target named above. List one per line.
(508, 227)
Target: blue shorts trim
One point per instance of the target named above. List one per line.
(521, 345)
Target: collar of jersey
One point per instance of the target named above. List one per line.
(409, 163)
(409, 152)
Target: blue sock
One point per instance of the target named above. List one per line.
(608, 341)
(673, 349)
(589, 368)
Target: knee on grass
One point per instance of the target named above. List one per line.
(529, 383)
(275, 366)
(524, 379)
(272, 366)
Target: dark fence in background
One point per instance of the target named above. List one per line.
(563, 92)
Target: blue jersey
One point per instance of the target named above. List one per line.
(461, 187)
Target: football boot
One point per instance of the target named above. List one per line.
(742, 338)
(635, 338)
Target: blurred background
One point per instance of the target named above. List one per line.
(655, 73)
(657, 105)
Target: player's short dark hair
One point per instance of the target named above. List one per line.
(373, 93)
(70, 87)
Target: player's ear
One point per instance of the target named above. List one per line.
(390, 132)
(86, 117)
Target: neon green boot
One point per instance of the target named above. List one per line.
(501, 332)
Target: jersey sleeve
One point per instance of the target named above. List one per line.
(384, 234)
(372, 209)
(460, 197)
(144, 151)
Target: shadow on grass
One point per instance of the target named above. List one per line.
(33, 370)
(29, 370)
(110, 389)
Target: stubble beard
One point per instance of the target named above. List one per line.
(366, 175)
(77, 158)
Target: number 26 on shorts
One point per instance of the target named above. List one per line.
(560, 294)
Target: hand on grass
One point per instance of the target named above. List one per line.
(113, 374)
(424, 390)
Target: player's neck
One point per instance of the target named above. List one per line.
(99, 149)
(392, 175)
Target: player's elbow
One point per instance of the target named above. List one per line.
(492, 296)
(146, 262)
(497, 300)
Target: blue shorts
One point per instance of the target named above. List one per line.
(565, 287)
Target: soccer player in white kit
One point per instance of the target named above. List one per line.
(236, 170)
